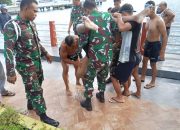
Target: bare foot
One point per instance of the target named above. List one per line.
(68, 93)
(117, 99)
(89, 24)
(136, 94)
(126, 93)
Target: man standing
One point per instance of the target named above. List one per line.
(130, 33)
(117, 4)
(4, 17)
(69, 55)
(153, 48)
(3, 91)
(76, 15)
(116, 37)
(99, 53)
(168, 17)
(28, 52)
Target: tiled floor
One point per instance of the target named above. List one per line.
(158, 109)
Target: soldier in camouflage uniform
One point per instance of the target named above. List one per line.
(24, 43)
(99, 53)
(116, 38)
(76, 18)
(76, 15)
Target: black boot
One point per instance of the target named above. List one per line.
(87, 104)
(100, 97)
(44, 118)
(108, 80)
(29, 105)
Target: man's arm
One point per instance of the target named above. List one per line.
(121, 25)
(1, 26)
(69, 27)
(138, 17)
(169, 16)
(9, 44)
(162, 30)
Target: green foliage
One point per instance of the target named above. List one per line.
(8, 2)
(9, 120)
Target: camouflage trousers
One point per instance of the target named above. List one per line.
(91, 73)
(32, 80)
(116, 51)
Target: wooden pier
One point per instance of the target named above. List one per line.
(43, 7)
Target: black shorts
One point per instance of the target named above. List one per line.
(122, 71)
(152, 50)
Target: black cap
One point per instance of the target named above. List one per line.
(126, 8)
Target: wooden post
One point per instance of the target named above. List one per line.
(53, 33)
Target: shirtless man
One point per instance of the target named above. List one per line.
(69, 55)
(153, 47)
(168, 17)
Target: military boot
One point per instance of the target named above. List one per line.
(29, 105)
(100, 97)
(87, 104)
(44, 118)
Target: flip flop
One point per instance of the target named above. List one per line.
(148, 86)
(8, 93)
(134, 95)
(113, 100)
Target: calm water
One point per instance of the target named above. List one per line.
(62, 16)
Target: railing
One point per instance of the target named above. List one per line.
(61, 31)
(54, 36)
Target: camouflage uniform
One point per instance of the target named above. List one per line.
(76, 16)
(99, 52)
(28, 52)
(116, 41)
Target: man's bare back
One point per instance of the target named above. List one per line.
(66, 50)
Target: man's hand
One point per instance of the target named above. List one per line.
(69, 31)
(49, 58)
(161, 56)
(117, 15)
(11, 79)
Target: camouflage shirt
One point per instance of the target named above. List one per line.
(26, 48)
(76, 14)
(100, 42)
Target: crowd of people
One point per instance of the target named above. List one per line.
(111, 41)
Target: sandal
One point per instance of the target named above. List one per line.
(8, 93)
(148, 86)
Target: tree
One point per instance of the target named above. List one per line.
(8, 2)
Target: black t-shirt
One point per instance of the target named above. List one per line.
(133, 36)
(136, 28)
